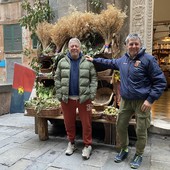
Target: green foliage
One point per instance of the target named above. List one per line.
(49, 49)
(92, 45)
(44, 99)
(57, 58)
(39, 104)
(90, 51)
(27, 52)
(96, 5)
(110, 110)
(34, 64)
(45, 92)
(39, 12)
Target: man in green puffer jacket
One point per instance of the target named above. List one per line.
(76, 85)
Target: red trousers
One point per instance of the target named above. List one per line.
(85, 112)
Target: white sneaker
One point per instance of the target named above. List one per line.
(86, 152)
(70, 149)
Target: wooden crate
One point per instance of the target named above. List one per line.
(44, 112)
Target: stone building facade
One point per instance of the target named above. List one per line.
(139, 20)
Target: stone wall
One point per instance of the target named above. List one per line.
(10, 13)
(5, 98)
(61, 8)
(125, 6)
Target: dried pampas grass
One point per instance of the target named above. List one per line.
(76, 24)
(60, 32)
(108, 22)
(80, 24)
(43, 33)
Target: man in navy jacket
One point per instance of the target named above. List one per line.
(142, 82)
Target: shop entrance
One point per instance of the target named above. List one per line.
(161, 50)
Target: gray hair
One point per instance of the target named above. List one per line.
(133, 36)
(74, 40)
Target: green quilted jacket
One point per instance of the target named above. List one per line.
(87, 80)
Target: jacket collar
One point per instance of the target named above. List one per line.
(69, 55)
(141, 53)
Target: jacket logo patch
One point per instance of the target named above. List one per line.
(137, 63)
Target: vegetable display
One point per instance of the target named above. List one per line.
(110, 110)
(44, 99)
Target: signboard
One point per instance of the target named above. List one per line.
(2, 63)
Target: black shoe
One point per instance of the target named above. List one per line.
(136, 161)
(121, 156)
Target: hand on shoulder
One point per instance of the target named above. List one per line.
(88, 58)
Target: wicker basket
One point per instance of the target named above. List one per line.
(110, 118)
(103, 98)
(108, 79)
(44, 112)
(46, 70)
(50, 112)
(30, 112)
(96, 115)
(104, 73)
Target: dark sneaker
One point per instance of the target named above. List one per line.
(121, 155)
(136, 161)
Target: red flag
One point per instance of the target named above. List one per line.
(24, 77)
(23, 83)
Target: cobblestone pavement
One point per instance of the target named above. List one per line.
(20, 149)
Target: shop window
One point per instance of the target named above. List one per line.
(12, 38)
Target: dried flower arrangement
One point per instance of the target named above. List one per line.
(108, 22)
(80, 24)
(83, 25)
(43, 33)
(60, 32)
(77, 24)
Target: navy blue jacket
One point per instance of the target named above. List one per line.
(141, 77)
